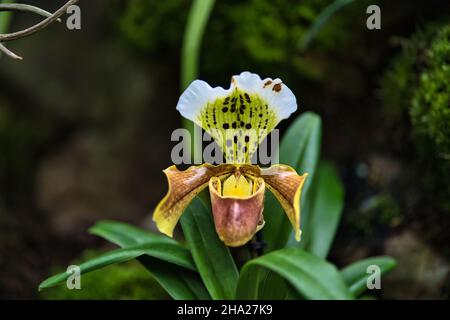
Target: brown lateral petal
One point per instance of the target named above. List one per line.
(183, 187)
(284, 182)
(237, 218)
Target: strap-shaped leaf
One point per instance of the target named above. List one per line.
(310, 276)
(355, 274)
(322, 20)
(167, 252)
(326, 202)
(272, 286)
(179, 282)
(123, 234)
(212, 258)
(190, 56)
(300, 149)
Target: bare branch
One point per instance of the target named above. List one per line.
(9, 53)
(25, 8)
(39, 26)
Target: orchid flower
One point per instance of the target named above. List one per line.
(238, 119)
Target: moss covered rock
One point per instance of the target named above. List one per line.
(415, 93)
(417, 85)
(430, 108)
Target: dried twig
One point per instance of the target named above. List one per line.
(33, 29)
(25, 8)
(9, 53)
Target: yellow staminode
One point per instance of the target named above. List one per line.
(238, 187)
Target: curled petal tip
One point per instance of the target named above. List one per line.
(298, 234)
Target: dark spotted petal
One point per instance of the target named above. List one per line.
(238, 118)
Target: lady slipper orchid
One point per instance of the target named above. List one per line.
(238, 119)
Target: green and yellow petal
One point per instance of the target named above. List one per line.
(240, 117)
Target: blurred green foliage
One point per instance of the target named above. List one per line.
(124, 281)
(5, 18)
(142, 20)
(374, 213)
(263, 34)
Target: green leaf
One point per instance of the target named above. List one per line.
(355, 274)
(321, 20)
(179, 282)
(5, 18)
(300, 149)
(190, 53)
(272, 286)
(124, 234)
(167, 252)
(310, 276)
(212, 258)
(193, 36)
(325, 209)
